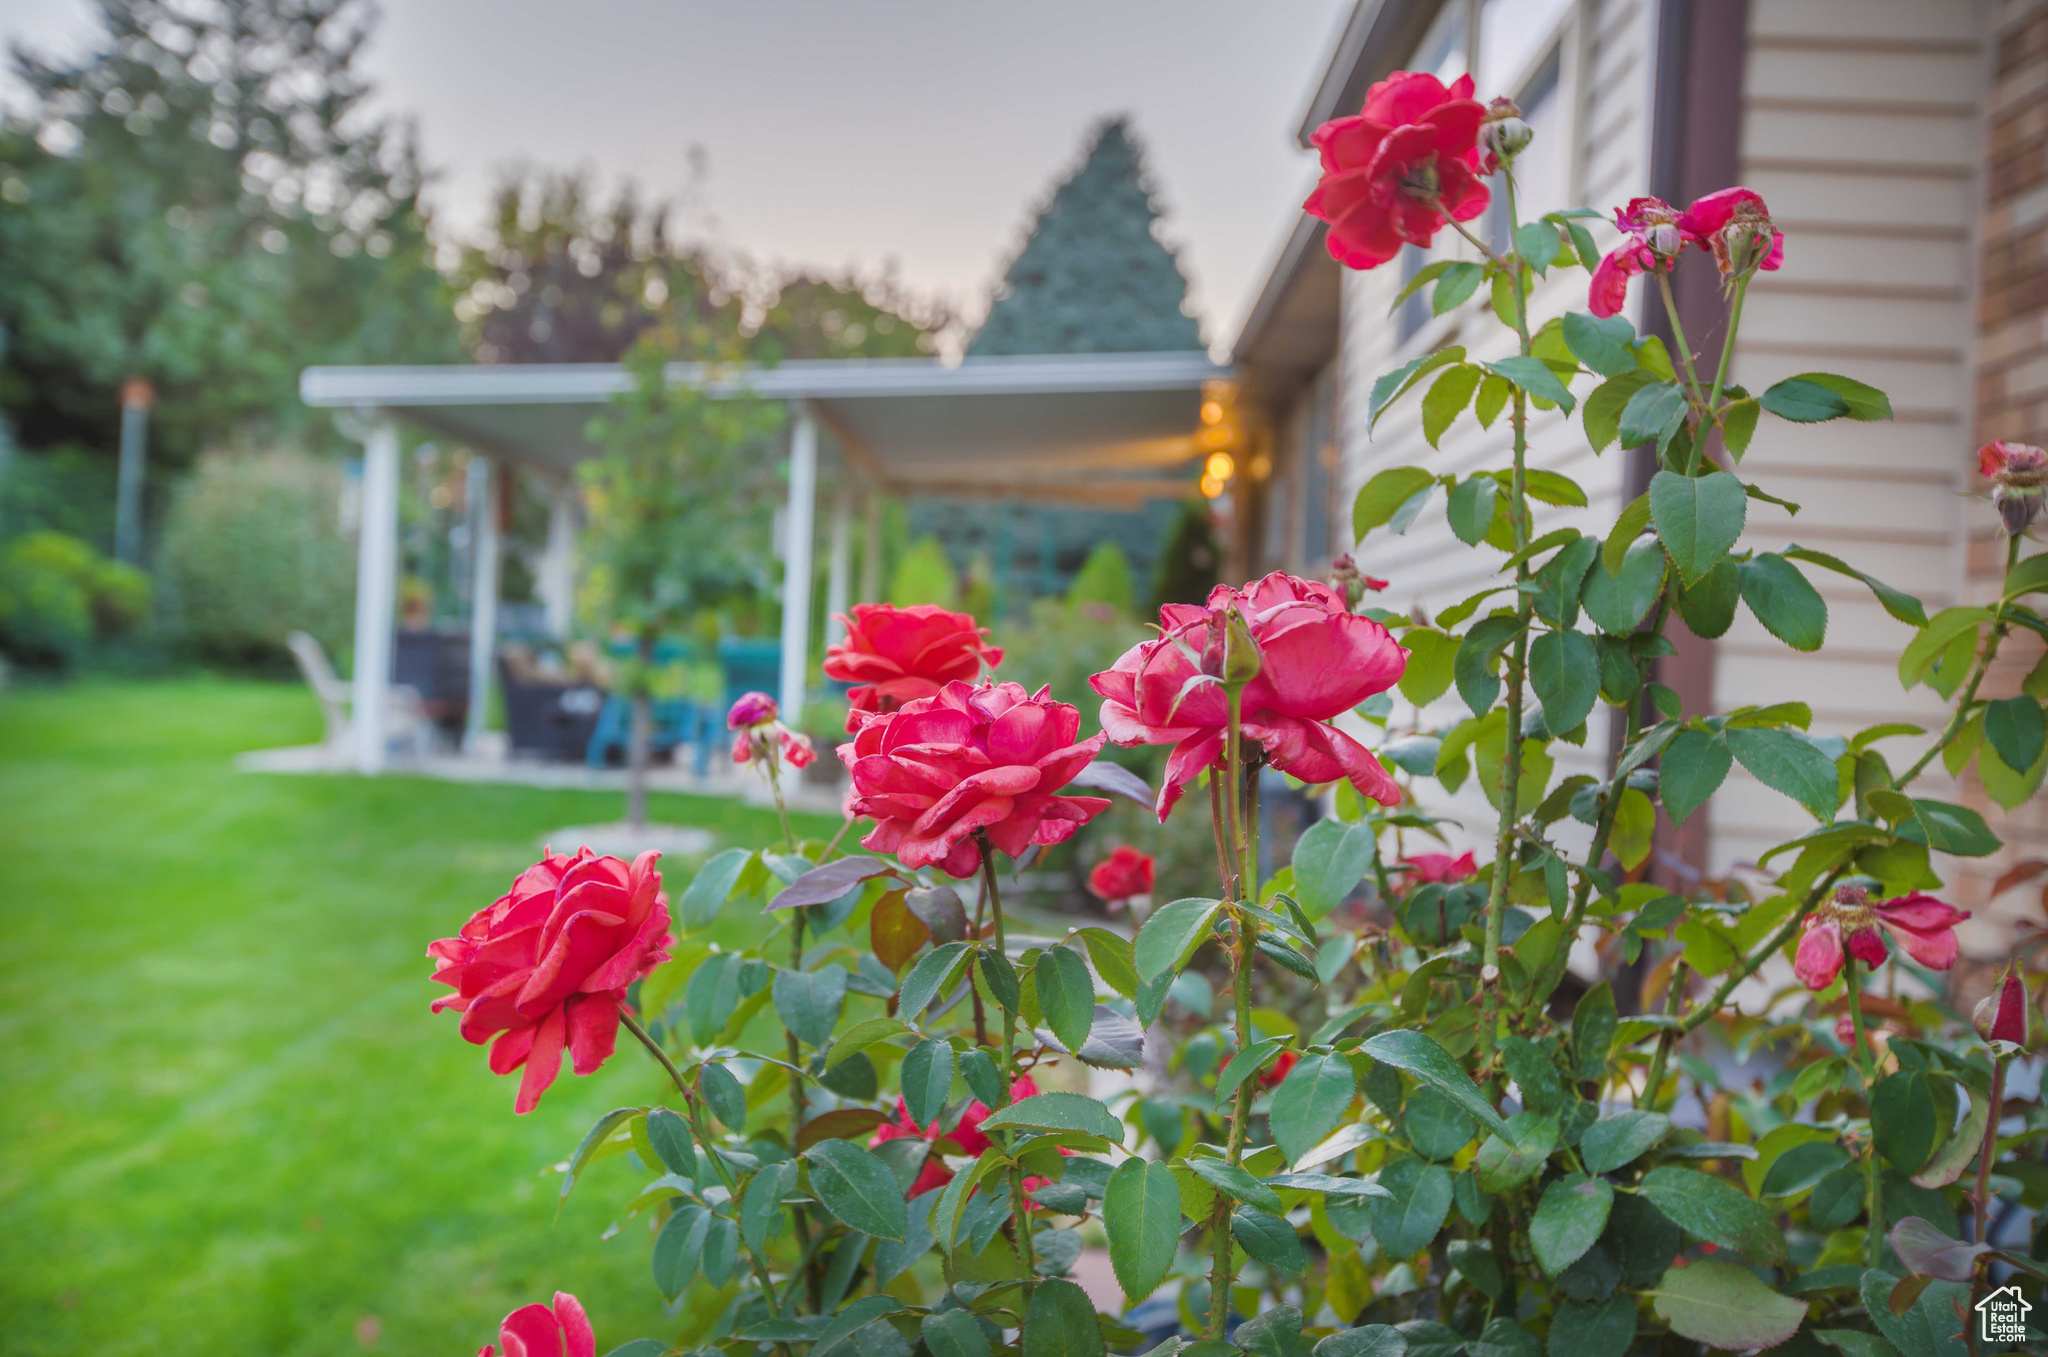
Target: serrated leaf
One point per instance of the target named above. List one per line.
(857, 1188)
(1459, 281)
(1446, 399)
(1430, 656)
(1897, 602)
(1569, 1218)
(1330, 859)
(809, 1002)
(1423, 1056)
(1715, 1210)
(1409, 1219)
(1534, 376)
(922, 984)
(1390, 386)
(1059, 1112)
(1269, 1239)
(1606, 346)
(1738, 426)
(1725, 1305)
(2015, 728)
(709, 889)
(1233, 1182)
(1803, 401)
(1060, 1322)
(1789, 607)
(1619, 1140)
(1470, 508)
(724, 1096)
(1786, 763)
(1310, 1102)
(1864, 402)
(1141, 1215)
(1380, 498)
(1066, 995)
(1564, 669)
(1170, 936)
(1652, 414)
(1691, 769)
(1698, 518)
(1602, 415)
(926, 1080)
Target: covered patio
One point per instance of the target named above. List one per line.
(1108, 430)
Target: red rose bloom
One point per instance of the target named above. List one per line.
(546, 967)
(1275, 1073)
(988, 759)
(968, 1135)
(540, 1331)
(1392, 171)
(1440, 868)
(897, 655)
(1651, 239)
(1318, 659)
(1124, 873)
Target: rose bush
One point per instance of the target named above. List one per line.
(1484, 1089)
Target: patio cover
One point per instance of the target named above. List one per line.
(1110, 430)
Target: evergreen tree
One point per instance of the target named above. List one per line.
(1093, 276)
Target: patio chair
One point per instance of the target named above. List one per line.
(405, 719)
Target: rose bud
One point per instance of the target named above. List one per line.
(752, 709)
(1240, 652)
(2018, 473)
(1503, 134)
(1345, 574)
(2003, 1016)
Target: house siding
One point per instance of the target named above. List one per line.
(1604, 88)
(1862, 127)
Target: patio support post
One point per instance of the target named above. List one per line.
(376, 592)
(798, 523)
(558, 560)
(483, 597)
(838, 576)
(871, 549)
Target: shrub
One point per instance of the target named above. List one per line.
(252, 551)
(57, 595)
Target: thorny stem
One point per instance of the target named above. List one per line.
(1217, 832)
(1667, 1039)
(798, 1104)
(1699, 443)
(693, 1111)
(1982, 1196)
(1233, 797)
(1241, 990)
(1769, 949)
(1985, 657)
(1019, 1212)
(1873, 1244)
(1692, 375)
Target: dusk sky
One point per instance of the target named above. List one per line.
(855, 133)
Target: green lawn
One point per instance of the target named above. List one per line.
(231, 1126)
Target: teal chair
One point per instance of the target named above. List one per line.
(749, 665)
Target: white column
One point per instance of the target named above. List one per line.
(376, 592)
(796, 563)
(483, 597)
(558, 560)
(839, 573)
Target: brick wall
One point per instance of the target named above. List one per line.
(2011, 401)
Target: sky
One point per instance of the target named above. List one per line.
(856, 133)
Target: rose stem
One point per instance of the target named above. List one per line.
(1020, 1217)
(1873, 1244)
(695, 1115)
(1699, 443)
(1241, 990)
(798, 1105)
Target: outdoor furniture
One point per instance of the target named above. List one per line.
(548, 715)
(434, 662)
(750, 665)
(673, 722)
(405, 722)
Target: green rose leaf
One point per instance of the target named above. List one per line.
(1790, 609)
(1616, 1141)
(1423, 1056)
(1698, 518)
(1066, 995)
(1171, 935)
(858, 1189)
(1715, 1210)
(1724, 1305)
(1060, 1322)
(1572, 1213)
(1310, 1102)
(1141, 1214)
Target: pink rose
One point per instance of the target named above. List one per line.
(546, 967)
(897, 655)
(1735, 227)
(1392, 170)
(1651, 239)
(1317, 658)
(1849, 925)
(989, 759)
(541, 1331)
(2017, 472)
(752, 709)
(1440, 868)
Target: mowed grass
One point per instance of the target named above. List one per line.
(230, 1124)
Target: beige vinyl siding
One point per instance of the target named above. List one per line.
(1429, 568)
(1862, 129)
